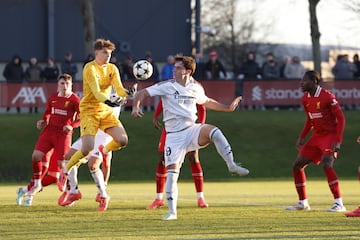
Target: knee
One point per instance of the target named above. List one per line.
(192, 157)
(122, 140)
(327, 163)
(297, 165)
(36, 157)
(93, 164)
(86, 149)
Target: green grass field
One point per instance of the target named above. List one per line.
(264, 142)
(242, 209)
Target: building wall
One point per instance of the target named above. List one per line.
(160, 26)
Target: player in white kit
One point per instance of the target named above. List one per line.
(179, 97)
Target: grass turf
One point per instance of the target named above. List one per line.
(242, 209)
(264, 142)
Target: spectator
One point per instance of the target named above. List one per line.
(294, 69)
(88, 58)
(155, 75)
(344, 69)
(51, 71)
(14, 73)
(250, 69)
(199, 73)
(270, 69)
(357, 64)
(33, 74)
(167, 72)
(127, 69)
(286, 61)
(69, 67)
(213, 67)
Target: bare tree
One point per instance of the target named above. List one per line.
(315, 35)
(87, 11)
(235, 29)
(352, 5)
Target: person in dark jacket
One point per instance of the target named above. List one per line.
(14, 73)
(51, 71)
(69, 67)
(214, 67)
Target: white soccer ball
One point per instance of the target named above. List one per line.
(142, 70)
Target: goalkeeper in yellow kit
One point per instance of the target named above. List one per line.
(99, 76)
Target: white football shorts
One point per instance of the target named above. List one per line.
(177, 144)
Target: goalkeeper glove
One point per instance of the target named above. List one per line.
(131, 90)
(116, 103)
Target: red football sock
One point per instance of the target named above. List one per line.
(333, 182)
(47, 180)
(197, 174)
(160, 178)
(36, 169)
(300, 183)
(31, 184)
(43, 171)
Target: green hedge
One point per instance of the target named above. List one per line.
(263, 141)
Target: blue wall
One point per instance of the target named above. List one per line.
(160, 26)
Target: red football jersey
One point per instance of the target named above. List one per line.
(324, 114)
(61, 111)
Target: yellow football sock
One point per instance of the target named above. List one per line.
(112, 146)
(74, 159)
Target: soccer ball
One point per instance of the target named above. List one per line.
(142, 70)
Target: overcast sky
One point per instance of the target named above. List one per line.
(338, 26)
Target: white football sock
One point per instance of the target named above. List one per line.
(159, 196)
(339, 201)
(200, 195)
(171, 190)
(222, 146)
(304, 202)
(73, 181)
(99, 181)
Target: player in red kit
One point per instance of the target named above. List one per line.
(59, 119)
(193, 157)
(326, 120)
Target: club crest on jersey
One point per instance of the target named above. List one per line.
(66, 104)
(318, 105)
(334, 102)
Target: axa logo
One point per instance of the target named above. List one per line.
(29, 95)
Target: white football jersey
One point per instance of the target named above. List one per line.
(179, 102)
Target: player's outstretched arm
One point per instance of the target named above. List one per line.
(215, 105)
(139, 97)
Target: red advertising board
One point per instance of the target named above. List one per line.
(279, 93)
(289, 92)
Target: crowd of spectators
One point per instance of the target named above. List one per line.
(208, 68)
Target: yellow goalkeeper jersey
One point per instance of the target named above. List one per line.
(97, 83)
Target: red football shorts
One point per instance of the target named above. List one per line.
(60, 142)
(317, 146)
